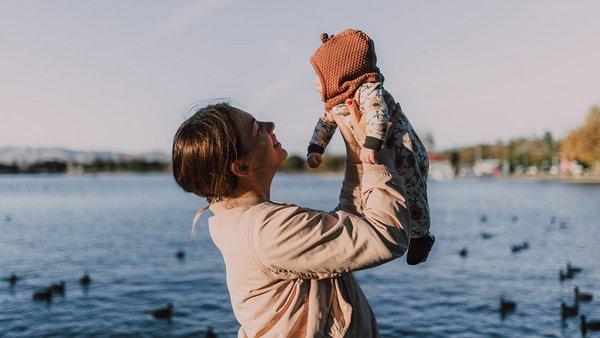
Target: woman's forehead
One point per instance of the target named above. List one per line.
(242, 115)
(244, 119)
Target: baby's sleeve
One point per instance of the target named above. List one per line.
(322, 134)
(373, 105)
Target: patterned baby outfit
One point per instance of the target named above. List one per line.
(379, 107)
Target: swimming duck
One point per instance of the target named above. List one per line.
(582, 297)
(58, 288)
(85, 280)
(45, 295)
(506, 306)
(585, 325)
(164, 313)
(568, 311)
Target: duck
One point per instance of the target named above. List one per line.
(506, 306)
(568, 311)
(463, 252)
(210, 333)
(85, 280)
(585, 325)
(45, 295)
(483, 218)
(564, 276)
(582, 297)
(164, 313)
(519, 247)
(180, 254)
(58, 288)
(12, 280)
(486, 235)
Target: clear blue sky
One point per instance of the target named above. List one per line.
(121, 75)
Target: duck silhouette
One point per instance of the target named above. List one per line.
(506, 306)
(45, 295)
(12, 279)
(568, 311)
(85, 280)
(164, 313)
(519, 247)
(180, 255)
(483, 218)
(463, 252)
(564, 275)
(591, 326)
(210, 333)
(58, 289)
(486, 235)
(582, 297)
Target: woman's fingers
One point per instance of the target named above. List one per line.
(346, 132)
(352, 147)
(355, 119)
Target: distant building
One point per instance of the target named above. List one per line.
(488, 167)
(439, 168)
(569, 167)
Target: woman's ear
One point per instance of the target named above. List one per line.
(239, 169)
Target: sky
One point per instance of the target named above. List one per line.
(123, 75)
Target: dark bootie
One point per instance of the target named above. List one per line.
(419, 248)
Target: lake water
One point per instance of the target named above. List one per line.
(125, 230)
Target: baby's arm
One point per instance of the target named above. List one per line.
(376, 114)
(322, 134)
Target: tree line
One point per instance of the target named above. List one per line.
(581, 144)
(96, 166)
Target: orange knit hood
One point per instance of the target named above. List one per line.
(343, 62)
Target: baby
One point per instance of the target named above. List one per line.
(347, 72)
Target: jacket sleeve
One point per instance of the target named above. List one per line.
(350, 194)
(293, 242)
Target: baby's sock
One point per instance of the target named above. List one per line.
(419, 248)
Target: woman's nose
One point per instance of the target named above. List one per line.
(270, 126)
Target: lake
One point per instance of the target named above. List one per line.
(124, 230)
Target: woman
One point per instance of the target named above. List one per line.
(289, 268)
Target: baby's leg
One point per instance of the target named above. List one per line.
(412, 167)
(407, 166)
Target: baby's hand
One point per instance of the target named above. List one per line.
(368, 156)
(314, 160)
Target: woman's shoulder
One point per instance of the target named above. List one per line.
(274, 208)
(270, 215)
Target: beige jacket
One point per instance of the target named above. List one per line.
(289, 268)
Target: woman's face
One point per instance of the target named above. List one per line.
(260, 145)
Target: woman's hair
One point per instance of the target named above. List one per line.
(204, 148)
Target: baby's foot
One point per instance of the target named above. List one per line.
(419, 248)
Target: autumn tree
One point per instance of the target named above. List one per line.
(584, 142)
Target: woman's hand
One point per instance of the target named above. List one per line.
(352, 146)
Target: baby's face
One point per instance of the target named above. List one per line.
(318, 85)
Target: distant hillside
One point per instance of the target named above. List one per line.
(26, 155)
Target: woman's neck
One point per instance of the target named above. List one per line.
(255, 187)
